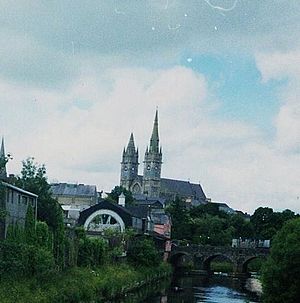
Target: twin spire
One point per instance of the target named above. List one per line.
(131, 146)
(154, 140)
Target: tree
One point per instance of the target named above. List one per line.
(181, 228)
(142, 252)
(281, 272)
(30, 235)
(113, 196)
(33, 178)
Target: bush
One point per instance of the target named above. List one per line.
(142, 252)
(91, 252)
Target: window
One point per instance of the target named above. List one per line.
(12, 196)
(24, 200)
(19, 198)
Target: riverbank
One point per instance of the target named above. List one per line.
(81, 284)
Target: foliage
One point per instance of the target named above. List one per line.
(33, 178)
(30, 235)
(266, 222)
(3, 161)
(181, 223)
(43, 236)
(142, 252)
(21, 259)
(281, 272)
(211, 230)
(80, 284)
(91, 252)
(221, 266)
(113, 196)
(206, 224)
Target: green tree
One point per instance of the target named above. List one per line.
(142, 252)
(242, 228)
(30, 235)
(113, 196)
(211, 230)
(33, 178)
(281, 272)
(181, 220)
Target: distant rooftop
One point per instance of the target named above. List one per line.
(66, 189)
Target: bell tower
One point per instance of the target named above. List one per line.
(129, 164)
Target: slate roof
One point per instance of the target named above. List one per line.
(20, 190)
(66, 189)
(140, 211)
(184, 188)
(144, 200)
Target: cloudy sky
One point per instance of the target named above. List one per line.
(76, 77)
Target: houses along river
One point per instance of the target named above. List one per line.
(194, 289)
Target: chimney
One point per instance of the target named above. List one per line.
(122, 200)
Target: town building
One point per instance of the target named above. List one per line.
(151, 185)
(14, 201)
(75, 196)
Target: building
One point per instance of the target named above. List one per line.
(75, 196)
(224, 207)
(14, 201)
(150, 185)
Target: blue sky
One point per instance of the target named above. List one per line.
(77, 77)
(236, 80)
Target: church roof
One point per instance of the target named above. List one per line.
(184, 188)
(66, 189)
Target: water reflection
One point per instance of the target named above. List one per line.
(194, 289)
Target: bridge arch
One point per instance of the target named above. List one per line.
(248, 260)
(207, 261)
(179, 258)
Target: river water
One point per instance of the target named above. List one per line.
(196, 289)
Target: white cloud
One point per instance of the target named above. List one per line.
(280, 66)
(84, 144)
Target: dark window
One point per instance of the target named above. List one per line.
(24, 200)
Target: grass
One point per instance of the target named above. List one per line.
(80, 284)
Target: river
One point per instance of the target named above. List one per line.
(196, 289)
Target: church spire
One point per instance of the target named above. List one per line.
(3, 173)
(154, 141)
(131, 146)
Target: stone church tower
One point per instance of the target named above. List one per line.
(152, 164)
(149, 183)
(129, 164)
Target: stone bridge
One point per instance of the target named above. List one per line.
(200, 256)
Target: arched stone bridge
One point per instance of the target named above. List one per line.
(200, 256)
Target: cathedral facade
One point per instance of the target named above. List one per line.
(151, 185)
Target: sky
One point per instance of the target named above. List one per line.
(77, 77)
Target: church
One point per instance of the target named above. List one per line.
(151, 186)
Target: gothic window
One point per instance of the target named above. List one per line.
(148, 167)
(136, 189)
